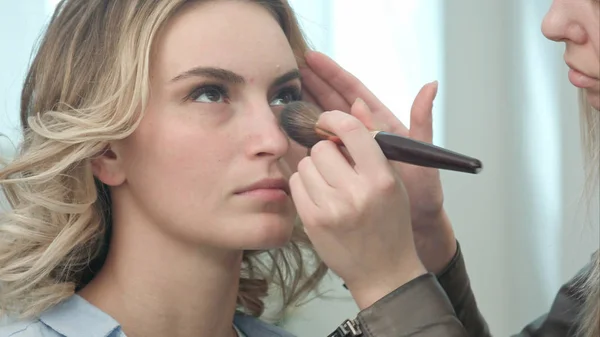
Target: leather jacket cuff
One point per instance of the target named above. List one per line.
(453, 264)
(420, 304)
(457, 285)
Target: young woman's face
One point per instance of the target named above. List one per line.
(577, 23)
(209, 163)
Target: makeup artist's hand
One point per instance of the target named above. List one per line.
(357, 215)
(331, 87)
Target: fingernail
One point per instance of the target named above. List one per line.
(359, 101)
(436, 88)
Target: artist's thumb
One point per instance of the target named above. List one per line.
(421, 113)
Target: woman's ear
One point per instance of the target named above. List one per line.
(108, 167)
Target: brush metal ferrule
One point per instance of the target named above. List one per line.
(374, 133)
(327, 135)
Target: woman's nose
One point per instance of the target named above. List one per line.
(264, 134)
(554, 24)
(558, 24)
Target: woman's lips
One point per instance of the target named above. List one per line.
(582, 80)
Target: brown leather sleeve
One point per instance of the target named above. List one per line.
(455, 282)
(420, 308)
(445, 306)
(559, 321)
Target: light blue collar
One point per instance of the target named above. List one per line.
(76, 317)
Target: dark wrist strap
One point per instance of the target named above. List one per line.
(350, 328)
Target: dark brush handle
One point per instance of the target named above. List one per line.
(410, 151)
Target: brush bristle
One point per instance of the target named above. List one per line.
(298, 120)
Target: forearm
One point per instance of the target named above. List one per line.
(435, 241)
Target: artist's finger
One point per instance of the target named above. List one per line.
(421, 113)
(315, 185)
(368, 119)
(307, 96)
(324, 94)
(347, 156)
(342, 82)
(359, 142)
(332, 164)
(304, 204)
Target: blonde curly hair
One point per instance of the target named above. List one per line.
(85, 88)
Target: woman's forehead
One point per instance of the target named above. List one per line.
(243, 37)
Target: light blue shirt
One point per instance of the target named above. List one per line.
(76, 317)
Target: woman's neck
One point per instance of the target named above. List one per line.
(155, 286)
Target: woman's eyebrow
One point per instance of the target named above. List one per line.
(290, 75)
(230, 76)
(211, 72)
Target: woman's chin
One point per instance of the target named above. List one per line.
(268, 232)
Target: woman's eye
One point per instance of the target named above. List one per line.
(287, 96)
(209, 94)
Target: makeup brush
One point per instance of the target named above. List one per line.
(299, 121)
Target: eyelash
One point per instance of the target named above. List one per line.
(293, 91)
(205, 88)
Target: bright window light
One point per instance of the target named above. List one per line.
(51, 4)
(394, 47)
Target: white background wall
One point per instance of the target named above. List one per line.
(21, 22)
(520, 221)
